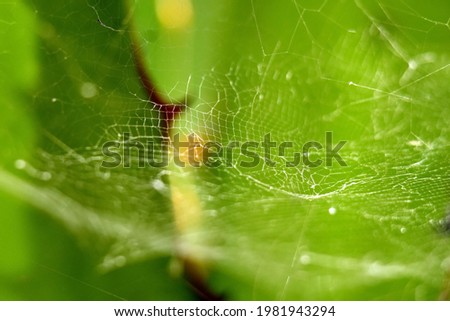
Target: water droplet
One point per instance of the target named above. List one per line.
(415, 143)
(332, 210)
(54, 100)
(260, 69)
(412, 64)
(46, 176)
(20, 164)
(305, 259)
(289, 75)
(403, 230)
(158, 185)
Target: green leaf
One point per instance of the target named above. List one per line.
(373, 74)
(86, 93)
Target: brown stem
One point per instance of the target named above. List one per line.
(167, 110)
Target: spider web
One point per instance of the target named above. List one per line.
(373, 73)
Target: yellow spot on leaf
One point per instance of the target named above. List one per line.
(186, 207)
